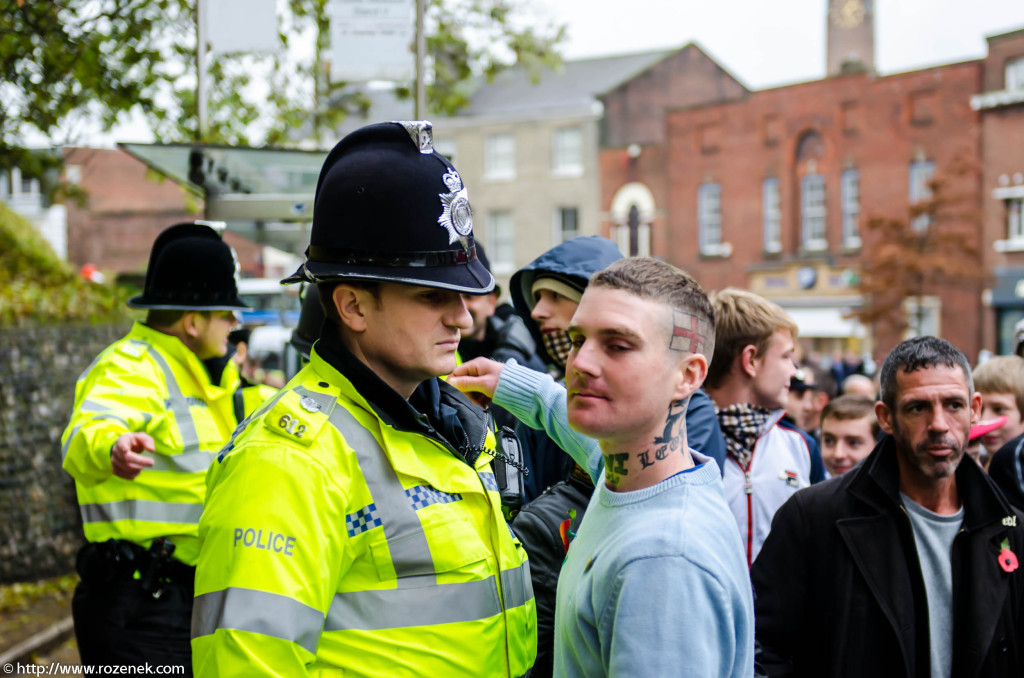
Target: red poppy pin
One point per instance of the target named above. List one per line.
(565, 529)
(1007, 558)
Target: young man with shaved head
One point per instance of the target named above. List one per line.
(655, 582)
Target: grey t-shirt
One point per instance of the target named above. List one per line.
(933, 535)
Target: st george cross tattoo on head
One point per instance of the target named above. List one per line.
(689, 333)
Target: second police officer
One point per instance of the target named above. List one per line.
(354, 524)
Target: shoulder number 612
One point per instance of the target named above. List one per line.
(292, 425)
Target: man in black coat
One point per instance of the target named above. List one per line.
(908, 563)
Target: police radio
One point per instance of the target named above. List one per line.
(510, 471)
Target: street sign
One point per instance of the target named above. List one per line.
(372, 40)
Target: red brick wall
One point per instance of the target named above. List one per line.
(1002, 151)
(124, 212)
(635, 111)
(878, 125)
(1001, 48)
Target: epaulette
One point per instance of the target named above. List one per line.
(132, 349)
(297, 417)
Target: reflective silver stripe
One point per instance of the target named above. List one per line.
(516, 585)
(410, 553)
(93, 406)
(268, 614)
(179, 406)
(401, 608)
(142, 509)
(186, 462)
(76, 429)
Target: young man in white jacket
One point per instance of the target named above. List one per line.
(767, 460)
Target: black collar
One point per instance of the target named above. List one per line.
(435, 409)
(877, 482)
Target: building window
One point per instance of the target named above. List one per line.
(772, 215)
(567, 152)
(1015, 74)
(851, 208)
(501, 242)
(812, 211)
(921, 173)
(500, 157)
(633, 237)
(567, 224)
(709, 218)
(1015, 219)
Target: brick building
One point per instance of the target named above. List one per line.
(126, 207)
(771, 191)
(1001, 108)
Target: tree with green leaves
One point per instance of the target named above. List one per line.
(66, 65)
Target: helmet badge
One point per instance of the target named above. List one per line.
(456, 215)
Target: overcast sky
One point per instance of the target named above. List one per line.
(766, 43)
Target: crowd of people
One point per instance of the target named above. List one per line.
(619, 474)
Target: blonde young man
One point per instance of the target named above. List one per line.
(768, 460)
(655, 582)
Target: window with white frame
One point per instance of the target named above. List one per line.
(812, 212)
(921, 172)
(772, 214)
(709, 218)
(567, 152)
(634, 236)
(851, 208)
(501, 242)
(1015, 219)
(500, 156)
(1015, 74)
(567, 224)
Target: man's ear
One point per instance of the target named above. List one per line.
(975, 408)
(190, 323)
(749, 362)
(884, 416)
(692, 371)
(351, 304)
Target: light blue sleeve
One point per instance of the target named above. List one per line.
(538, 401)
(666, 616)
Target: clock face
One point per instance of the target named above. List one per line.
(847, 13)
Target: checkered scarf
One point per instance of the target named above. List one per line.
(741, 424)
(558, 345)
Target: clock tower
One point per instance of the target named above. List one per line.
(851, 36)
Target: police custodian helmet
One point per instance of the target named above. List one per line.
(192, 269)
(389, 207)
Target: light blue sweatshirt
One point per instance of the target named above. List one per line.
(656, 582)
(539, 402)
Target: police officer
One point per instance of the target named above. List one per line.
(148, 419)
(354, 525)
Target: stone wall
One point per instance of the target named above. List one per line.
(40, 528)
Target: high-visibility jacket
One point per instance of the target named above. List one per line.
(248, 397)
(148, 382)
(334, 543)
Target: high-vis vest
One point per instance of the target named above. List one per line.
(148, 382)
(336, 544)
